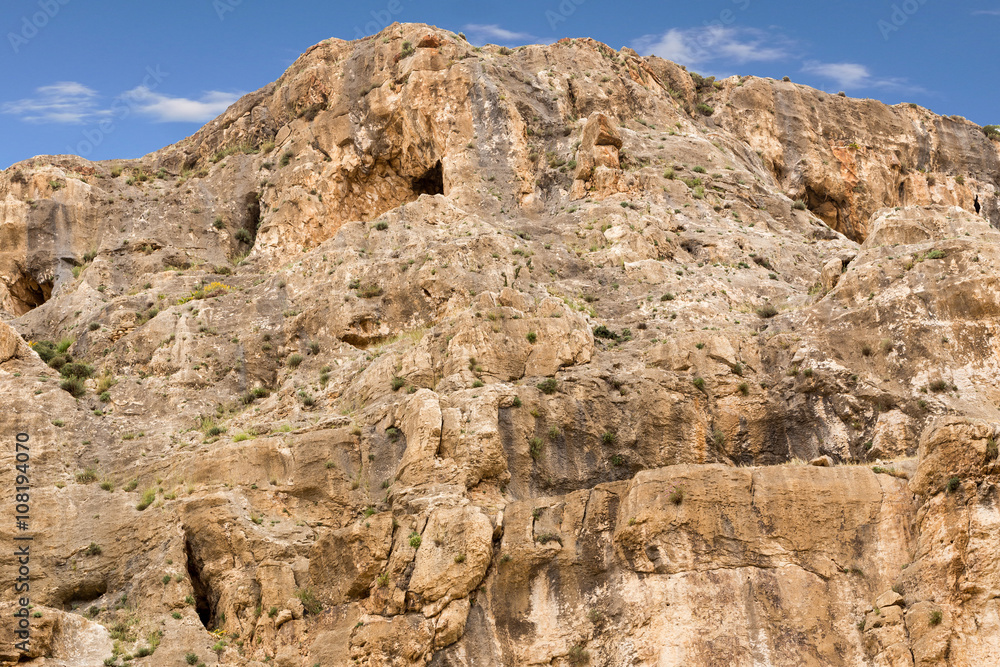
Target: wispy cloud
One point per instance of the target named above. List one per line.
(65, 102)
(848, 75)
(715, 45)
(856, 76)
(166, 109)
(479, 33)
(72, 103)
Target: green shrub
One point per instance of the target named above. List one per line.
(939, 386)
(243, 235)
(705, 109)
(309, 601)
(75, 369)
(381, 225)
(532, 337)
(578, 656)
(294, 361)
(74, 386)
(148, 497)
(415, 540)
(676, 496)
(535, 447)
(218, 223)
(608, 438)
(799, 205)
(407, 51)
(699, 382)
(548, 386)
(369, 292)
(93, 550)
(86, 476)
(191, 658)
(667, 297)
(286, 158)
(698, 170)
(93, 326)
(935, 618)
(953, 484)
(602, 331)
(767, 310)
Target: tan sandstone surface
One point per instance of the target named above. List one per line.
(429, 354)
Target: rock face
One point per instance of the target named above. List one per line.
(429, 354)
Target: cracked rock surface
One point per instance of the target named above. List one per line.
(429, 354)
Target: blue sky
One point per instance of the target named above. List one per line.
(125, 78)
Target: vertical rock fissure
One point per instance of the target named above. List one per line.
(202, 599)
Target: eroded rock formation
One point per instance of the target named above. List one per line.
(428, 354)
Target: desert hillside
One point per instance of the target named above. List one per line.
(431, 354)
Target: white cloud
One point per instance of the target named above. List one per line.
(715, 44)
(66, 102)
(166, 109)
(480, 33)
(856, 75)
(846, 75)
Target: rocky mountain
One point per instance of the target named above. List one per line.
(431, 354)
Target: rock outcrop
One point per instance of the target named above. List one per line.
(431, 354)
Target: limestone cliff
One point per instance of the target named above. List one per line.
(428, 354)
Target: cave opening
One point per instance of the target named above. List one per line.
(978, 207)
(28, 293)
(202, 594)
(431, 183)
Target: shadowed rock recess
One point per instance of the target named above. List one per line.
(428, 354)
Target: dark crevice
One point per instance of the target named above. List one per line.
(28, 293)
(83, 593)
(202, 594)
(978, 207)
(252, 203)
(431, 183)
